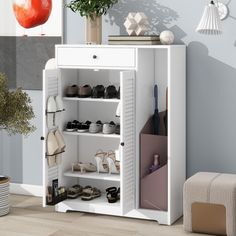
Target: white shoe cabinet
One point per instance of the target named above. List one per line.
(135, 69)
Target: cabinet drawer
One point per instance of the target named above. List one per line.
(96, 57)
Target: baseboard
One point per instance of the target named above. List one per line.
(26, 189)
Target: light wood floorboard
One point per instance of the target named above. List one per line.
(28, 218)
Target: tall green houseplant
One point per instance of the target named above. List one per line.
(15, 109)
(92, 10)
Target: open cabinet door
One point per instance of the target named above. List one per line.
(127, 141)
(51, 87)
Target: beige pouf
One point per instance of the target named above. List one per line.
(210, 204)
(4, 195)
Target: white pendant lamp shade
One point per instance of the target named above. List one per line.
(210, 22)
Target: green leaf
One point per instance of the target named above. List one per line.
(89, 8)
(15, 109)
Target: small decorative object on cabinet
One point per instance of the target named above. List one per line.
(134, 40)
(116, 156)
(167, 37)
(136, 23)
(93, 10)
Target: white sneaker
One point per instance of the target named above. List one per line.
(95, 127)
(109, 128)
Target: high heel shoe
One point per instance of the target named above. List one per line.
(114, 165)
(102, 165)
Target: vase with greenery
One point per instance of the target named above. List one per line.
(93, 11)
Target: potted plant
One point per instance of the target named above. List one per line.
(15, 115)
(93, 11)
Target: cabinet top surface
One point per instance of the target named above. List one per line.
(120, 46)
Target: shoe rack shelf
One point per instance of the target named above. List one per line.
(135, 69)
(98, 205)
(92, 100)
(99, 135)
(93, 175)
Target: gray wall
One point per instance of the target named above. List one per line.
(22, 59)
(211, 74)
(21, 157)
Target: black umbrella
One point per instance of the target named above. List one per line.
(156, 117)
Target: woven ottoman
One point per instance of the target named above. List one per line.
(210, 204)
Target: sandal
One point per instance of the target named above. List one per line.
(84, 167)
(75, 191)
(102, 165)
(114, 165)
(90, 193)
(113, 194)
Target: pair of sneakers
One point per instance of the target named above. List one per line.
(109, 92)
(106, 128)
(76, 126)
(55, 147)
(79, 91)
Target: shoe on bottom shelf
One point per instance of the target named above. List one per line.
(75, 191)
(113, 194)
(109, 128)
(90, 193)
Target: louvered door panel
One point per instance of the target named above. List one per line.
(127, 141)
(51, 87)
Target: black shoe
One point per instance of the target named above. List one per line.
(98, 91)
(76, 124)
(118, 93)
(83, 127)
(70, 127)
(117, 130)
(113, 194)
(111, 92)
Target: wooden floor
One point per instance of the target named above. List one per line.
(28, 218)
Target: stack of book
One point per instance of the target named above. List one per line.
(134, 40)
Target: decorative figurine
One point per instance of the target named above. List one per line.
(136, 23)
(167, 37)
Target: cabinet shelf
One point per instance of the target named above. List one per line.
(97, 205)
(116, 136)
(92, 100)
(93, 175)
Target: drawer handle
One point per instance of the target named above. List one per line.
(95, 57)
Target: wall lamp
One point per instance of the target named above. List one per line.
(213, 14)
